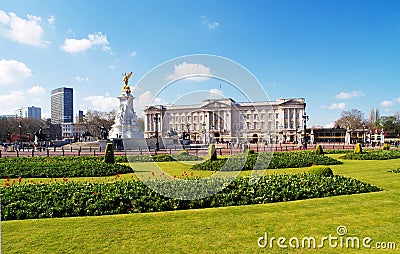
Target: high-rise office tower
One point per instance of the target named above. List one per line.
(62, 105)
(29, 112)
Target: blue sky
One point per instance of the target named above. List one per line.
(338, 55)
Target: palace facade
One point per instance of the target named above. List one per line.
(279, 121)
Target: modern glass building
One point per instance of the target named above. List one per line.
(62, 105)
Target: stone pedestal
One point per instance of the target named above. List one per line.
(125, 127)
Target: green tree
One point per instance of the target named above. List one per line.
(390, 124)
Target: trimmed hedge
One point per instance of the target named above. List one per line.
(373, 155)
(386, 146)
(266, 160)
(55, 166)
(109, 154)
(319, 150)
(212, 153)
(358, 149)
(320, 170)
(30, 201)
(157, 158)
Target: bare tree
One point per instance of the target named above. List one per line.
(93, 121)
(351, 119)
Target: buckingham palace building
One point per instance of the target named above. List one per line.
(224, 120)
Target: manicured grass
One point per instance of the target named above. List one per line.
(228, 229)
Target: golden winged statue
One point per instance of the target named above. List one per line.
(126, 87)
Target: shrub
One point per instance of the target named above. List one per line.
(183, 153)
(386, 146)
(373, 155)
(109, 154)
(319, 150)
(29, 201)
(250, 151)
(320, 170)
(157, 158)
(265, 160)
(358, 149)
(212, 153)
(58, 166)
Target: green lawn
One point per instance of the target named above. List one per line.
(227, 229)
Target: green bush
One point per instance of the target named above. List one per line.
(157, 158)
(319, 150)
(334, 151)
(250, 151)
(183, 153)
(358, 149)
(373, 155)
(212, 153)
(58, 166)
(320, 170)
(109, 154)
(265, 160)
(31, 201)
(386, 146)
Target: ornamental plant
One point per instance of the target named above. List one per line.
(358, 149)
(109, 154)
(319, 150)
(183, 153)
(58, 166)
(66, 199)
(212, 153)
(386, 146)
(320, 170)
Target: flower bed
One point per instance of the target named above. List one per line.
(59, 167)
(372, 155)
(267, 160)
(157, 158)
(29, 201)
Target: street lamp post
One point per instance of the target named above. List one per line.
(363, 136)
(20, 134)
(204, 133)
(188, 131)
(156, 120)
(305, 119)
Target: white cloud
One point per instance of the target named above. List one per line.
(211, 25)
(24, 31)
(387, 103)
(329, 125)
(13, 72)
(81, 79)
(112, 67)
(146, 99)
(10, 102)
(197, 71)
(398, 99)
(133, 54)
(102, 103)
(216, 94)
(37, 90)
(349, 95)
(340, 105)
(51, 20)
(92, 41)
